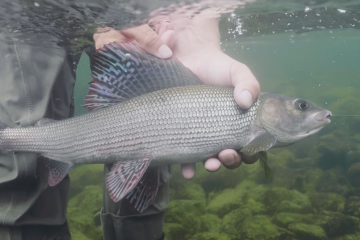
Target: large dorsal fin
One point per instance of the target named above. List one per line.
(122, 71)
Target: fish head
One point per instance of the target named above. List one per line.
(291, 119)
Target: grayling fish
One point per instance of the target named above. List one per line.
(152, 112)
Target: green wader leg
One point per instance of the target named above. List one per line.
(36, 82)
(120, 221)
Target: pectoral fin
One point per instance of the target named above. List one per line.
(57, 171)
(145, 191)
(263, 142)
(124, 176)
(263, 157)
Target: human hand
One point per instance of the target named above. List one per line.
(149, 41)
(199, 50)
(142, 35)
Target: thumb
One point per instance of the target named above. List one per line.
(167, 38)
(247, 88)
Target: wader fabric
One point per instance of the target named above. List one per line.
(35, 82)
(120, 221)
(38, 82)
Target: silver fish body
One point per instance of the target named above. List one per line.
(176, 125)
(150, 112)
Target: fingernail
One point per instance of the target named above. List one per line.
(164, 51)
(229, 159)
(246, 98)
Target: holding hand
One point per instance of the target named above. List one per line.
(199, 50)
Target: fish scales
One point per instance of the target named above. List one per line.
(170, 123)
(138, 126)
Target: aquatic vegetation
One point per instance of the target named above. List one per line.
(307, 231)
(83, 214)
(313, 192)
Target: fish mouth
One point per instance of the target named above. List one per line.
(323, 117)
(311, 132)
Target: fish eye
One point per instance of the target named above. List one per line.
(302, 105)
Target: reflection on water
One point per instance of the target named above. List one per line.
(72, 23)
(299, 48)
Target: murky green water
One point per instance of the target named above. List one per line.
(308, 49)
(314, 192)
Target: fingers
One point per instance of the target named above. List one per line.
(230, 158)
(143, 35)
(212, 164)
(247, 88)
(148, 40)
(166, 37)
(249, 159)
(188, 170)
(108, 35)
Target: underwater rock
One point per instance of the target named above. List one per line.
(186, 213)
(281, 156)
(80, 236)
(225, 202)
(287, 235)
(190, 191)
(307, 179)
(334, 181)
(284, 219)
(233, 221)
(210, 223)
(352, 206)
(337, 224)
(85, 175)
(209, 236)
(81, 211)
(311, 180)
(333, 152)
(282, 176)
(263, 199)
(327, 202)
(352, 157)
(241, 224)
(275, 196)
(354, 174)
(291, 207)
(174, 231)
(355, 236)
(229, 199)
(334, 224)
(259, 227)
(254, 206)
(307, 231)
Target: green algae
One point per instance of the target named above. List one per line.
(307, 231)
(229, 199)
(210, 236)
(233, 221)
(85, 175)
(259, 227)
(309, 196)
(82, 212)
(327, 201)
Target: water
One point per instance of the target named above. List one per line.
(303, 48)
